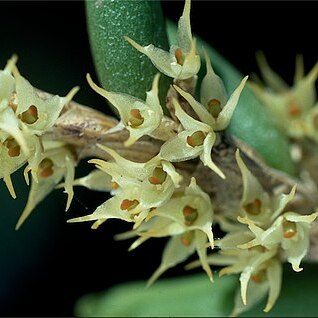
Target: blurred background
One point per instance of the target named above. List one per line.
(48, 264)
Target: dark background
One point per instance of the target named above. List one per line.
(48, 264)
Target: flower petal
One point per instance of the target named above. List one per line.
(174, 253)
(161, 59)
(226, 113)
(48, 110)
(199, 109)
(39, 190)
(212, 86)
(200, 243)
(274, 276)
(96, 180)
(253, 266)
(177, 148)
(272, 79)
(150, 111)
(205, 156)
(184, 35)
(108, 210)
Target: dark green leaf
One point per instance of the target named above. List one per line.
(120, 67)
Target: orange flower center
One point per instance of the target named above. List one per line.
(196, 139)
(30, 116)
(128, 204)
(158, 176)
(187, 238)
(190, 215)
(214, 107)
(289, 229)
(294, 109)
(254, 207)
(135, 119)
(179, 56)
(46, 168)
(13, 147)
(259, 277)
(114, 185)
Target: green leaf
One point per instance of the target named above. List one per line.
(119, 66)
(193, 295)
(250, 121)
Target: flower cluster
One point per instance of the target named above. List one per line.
(159, 197)
(273, 235)
(155, 196)
(294, 109)
(25, 116)
(160, 201)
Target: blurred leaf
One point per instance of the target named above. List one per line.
(250, 121)
(120, 67)
(193, 295)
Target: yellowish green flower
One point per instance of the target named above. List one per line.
(260, 273)
(292, 108)
(124, 205)
(38, 114)
(187, 217)
(138, 187)
(215, 109)
(257, 251)
(157, 178)
(196, 140)
(57, 162)
(198, 137)
(24, 117)
(139, 117)
(290, 231)
(97, 180)
(179, 248)
(259, 268)
(13, 146)
(193, 210)
(256, 204)
(182, 61)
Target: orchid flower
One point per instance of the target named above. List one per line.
(183, 61)
(139, 117)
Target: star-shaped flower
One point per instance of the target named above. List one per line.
(292, 108)
(183, 61)
(139, 188)
(290, 231)
(56, 163)
(256, 204)
(196, 140)
(259, 268)
(215, 109)
(139, 117)
(188, 219)
(24, 117)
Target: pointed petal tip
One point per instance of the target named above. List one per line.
(25, 214)
(8, 182)
(296, 268)
(19, 224)
(313, 74)
(137, 46)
